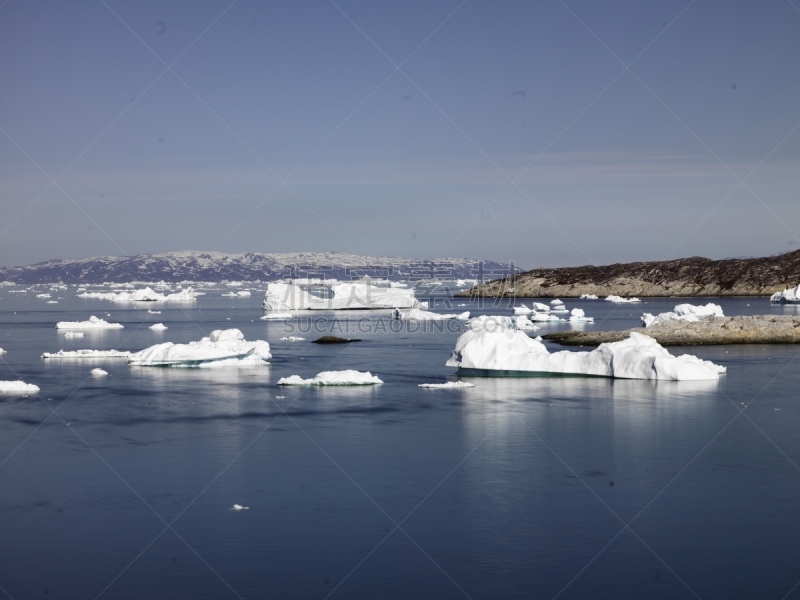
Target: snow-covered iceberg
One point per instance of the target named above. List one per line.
(221, 349)
(92, 323)
(415, 314)
(787, 295)
(348, 377)
(508, 352)
(143, 295)
(621, 300)
(589, 297)
(17, 387)
(334, 295)
(684, 312)
(88, 354)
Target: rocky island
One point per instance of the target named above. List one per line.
(695, 276)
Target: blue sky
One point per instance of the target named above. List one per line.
(510, 131)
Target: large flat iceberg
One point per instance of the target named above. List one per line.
(508, 352)
(223, 348)
(331, 295)
(787, 295)
(143, 295)
(92, 323)
(88, 354)
(17, 387)
(684, 312)
(621, 300)
(348, 377)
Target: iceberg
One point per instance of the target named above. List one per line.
(348, 377)
(539, 307)
(88, 354)
(621, 300)
(143, 295)
(52, 302)
(415, 314)
(222, 348)
(292, 338)
(73, 334)
(556, 302)
(578, 316)
(544, 317)
(494, 322)
(98, 372)
(684, 312)
(333, 295)
(42, 295)
(789, 295)
(154, 312)
(508, 352)
(588, 297)
(17, 387)
(92, 323)
(522, 310)
(450, 385)
(275, 316)
(242, 294)
(2, 351)
(158, 327)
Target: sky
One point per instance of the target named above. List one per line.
(550, 133)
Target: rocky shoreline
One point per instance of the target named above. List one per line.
(754, 329)
(695, 276)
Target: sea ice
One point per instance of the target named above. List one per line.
(158, 327)
(520, 322)
(292, 338)
(620, 299)
(88, 354)
(348, 377)
(542, 317)
(308, 295)
(2, 351)
(240, 507)
(143, 295)
(448, 385)
(577, 315)
(787, 295)
(92, 323)
(17, 387)
(222, 348)
(522, 310)
(684, 312)
(43, 295)
(638, 357)
(589, 297)
(539, 307)
(98, 372)
(415, 314)
(276, 316)
(154, 312)
(52, 302)
(242, 294)
(556, 302)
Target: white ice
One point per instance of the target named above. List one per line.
(520, 322)
(348, 377)
(556, 302)
(98, 372)
(588, 297)
(787, 295)
(92, 323)
(620, 299)
(638, 357)
(143, 295)
(578, 316)
(684, 312)
(222, 348)
(415, 314)
(73, 334)
(298, 295)
(17, 387)
(448, 385)
(88, 354)
(539, 307)
(239, 507)
(276, 316)
(242, 294)
(2, 351)
(522, 310)
(292, 338)
(158, 327)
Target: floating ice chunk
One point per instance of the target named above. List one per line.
(448, 386)
(154, 312)
(241, 294)
(43, 295)
(276, 316)
(422, 305)
(684, 312)
(577, 315)
(2, 351)
(620, 299)
(544, 317)
(143, 295)
(522, 310)
(509, 352)
(223, 348)
(495, 322)
(539, 307)
(292, 338)
(787, 295)
(589, 297)
(88, 354)
(158, 327)
(462, 305)
(98, 372)
(239, 507)
(333, 295)
(348, 377)
(415, 314)
(17, 387)
(52, 302)
(73, 334)
(92, 323)
(556, 302)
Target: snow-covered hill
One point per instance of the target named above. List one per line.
(248, 266)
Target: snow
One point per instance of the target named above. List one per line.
(98, 372)
(588, 297)
(222, 348)
(352, 295)
(348, 377)
(143, 295)
(292, 338)
(274, 316)
(448, 386)
(620, 299)
(684, 312)
(638, 357)
(92, 323)
(577, 315)
(73, 334)
(88, 354)
(158, 327)
(415, 314)
(17, 387)
(787, 295)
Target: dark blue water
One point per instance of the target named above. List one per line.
(120, 487)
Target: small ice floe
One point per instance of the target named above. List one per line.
(450, 385)
(460, 305)
(223, 348)
(52, 302)
(280, 397)
(98, 372)
(588, 297)
(415, 314)
(577, 315)
(92, 323)
(540, 307)
(239, 507)
(522, 310)
(292, 338)
(276, 316)
(787, 295)
(154, 312)
(18, 387)
(520, 322)
(684, 312)
(620, 299)
(542, 317)
(348, 377)
(507, 352)
(88, 354)
(143, 295)
(158, 327)
(242, 294)
(43, 295)
(2, 351)
(73, 334)
(556, 302)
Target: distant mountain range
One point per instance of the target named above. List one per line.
(248, 266)
(696, 276)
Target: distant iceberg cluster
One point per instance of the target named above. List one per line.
(588, 297)
(143, 295)
(334, 295)
(621, 300)
(789, 295)
(220, 349)
(509, 352)
(684, 312)
(415, 314)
